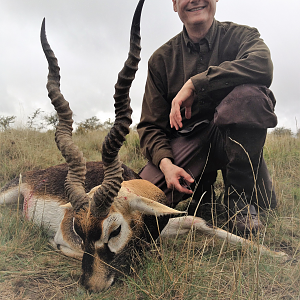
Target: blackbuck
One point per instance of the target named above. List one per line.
(101, 212)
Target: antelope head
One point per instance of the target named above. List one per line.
(110, 219)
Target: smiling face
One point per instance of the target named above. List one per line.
(196, 13)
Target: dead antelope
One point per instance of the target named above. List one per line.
(103, 213)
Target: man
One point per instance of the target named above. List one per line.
(207, 107)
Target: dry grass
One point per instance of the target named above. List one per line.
(190, 267)
(24, 150)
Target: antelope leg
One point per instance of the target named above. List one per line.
(183, 225)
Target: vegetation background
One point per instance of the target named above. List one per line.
(190, 267)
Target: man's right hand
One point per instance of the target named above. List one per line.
(184, 98)
(173, 176)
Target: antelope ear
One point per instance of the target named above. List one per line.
(150, 207)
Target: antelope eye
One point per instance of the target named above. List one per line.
(115, 232)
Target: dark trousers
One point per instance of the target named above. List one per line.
(232, 142)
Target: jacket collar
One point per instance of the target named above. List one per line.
(208, 39)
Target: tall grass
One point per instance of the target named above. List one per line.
(24, 150)
(189, 267)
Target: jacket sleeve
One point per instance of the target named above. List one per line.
(154, 127)
(251, 63)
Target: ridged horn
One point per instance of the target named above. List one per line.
(74, 184)
(104, 196)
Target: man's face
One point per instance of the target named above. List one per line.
(195, 12)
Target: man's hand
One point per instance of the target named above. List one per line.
(174, 176)
(185, 98)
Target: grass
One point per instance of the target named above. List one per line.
(24, 150)
(189, 267)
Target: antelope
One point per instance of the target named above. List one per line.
(104, 212)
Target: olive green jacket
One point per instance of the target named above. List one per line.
(229, 55)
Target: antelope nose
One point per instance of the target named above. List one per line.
(98, 284)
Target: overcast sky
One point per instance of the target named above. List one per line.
(90, 40)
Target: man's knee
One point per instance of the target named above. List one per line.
(247, 105)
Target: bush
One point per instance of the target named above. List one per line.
(5, 122)
(282, 131)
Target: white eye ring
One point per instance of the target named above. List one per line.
(74, 226)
